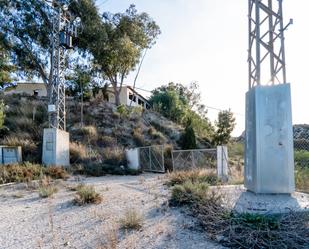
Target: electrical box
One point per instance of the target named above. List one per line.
(269, 157)
(66, 40)
(10, 154)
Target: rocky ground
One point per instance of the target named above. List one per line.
(28, 221)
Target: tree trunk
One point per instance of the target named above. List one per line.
(117, 97)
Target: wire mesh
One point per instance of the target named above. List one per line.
(192, 159)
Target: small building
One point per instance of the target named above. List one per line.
(128, 95)
(32, 89)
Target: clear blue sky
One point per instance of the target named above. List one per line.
(206, 41)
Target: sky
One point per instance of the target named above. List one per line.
(207, 41)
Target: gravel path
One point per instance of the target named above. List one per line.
(27, 221)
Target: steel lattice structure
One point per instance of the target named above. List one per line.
(57, 98)
(63, 31)
(266, 43)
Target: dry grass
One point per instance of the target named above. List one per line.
(195, 176)
(57, 172)
(87, 195)
(302, 179)
(240, 230)
(46, 187)
(132, 219)
(20, 172)
(78, 152)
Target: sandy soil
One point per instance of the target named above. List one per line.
(28, 221)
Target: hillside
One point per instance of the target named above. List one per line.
(106, 133)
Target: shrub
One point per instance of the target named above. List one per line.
(20, 172)
(78, 152)
(302, 178)
(301, 158)
(57, 172)
(131, 220)
(107, 141)
(90, 132)
(188, 193)
(30, 149)
(194, 176)
(47, 191)
(114, 156)
(123, 110)
(187, 140)
(87, 195)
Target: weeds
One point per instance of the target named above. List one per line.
(131, 220)
(235, 230)
(194, 176)
(87, 195)
(47, 191)
(57, 172)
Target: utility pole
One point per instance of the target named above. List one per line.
(56, 139)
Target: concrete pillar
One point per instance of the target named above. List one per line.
(132, 156)
(56, 147)
(269, 158)
(222, 163)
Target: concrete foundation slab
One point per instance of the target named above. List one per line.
(269, 159)
(243, 201)
(56, 147)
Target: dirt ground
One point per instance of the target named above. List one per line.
(28, 221)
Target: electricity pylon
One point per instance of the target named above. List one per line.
(266, 43)
(64, 29)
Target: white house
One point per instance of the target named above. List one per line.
(32, 89)
(128, 95)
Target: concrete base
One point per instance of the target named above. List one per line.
(243, 201)
(269, 159)
(56, 147)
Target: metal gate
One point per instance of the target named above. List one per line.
(151, 158)
(191, 159)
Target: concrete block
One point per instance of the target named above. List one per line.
(10, 154)
(132, 156)
(222, 163)
(269, 155)
(56, 147)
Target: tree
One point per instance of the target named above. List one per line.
(188, 139)
(127, 36)
(80, 85)
(2, 115)
(5, 68)
(180, 103)
(26, 29)
(225, 125)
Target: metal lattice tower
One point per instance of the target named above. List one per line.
(63, 31)
(57, 98)
(266, 43)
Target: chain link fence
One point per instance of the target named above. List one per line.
(192, 159)
(301, 145)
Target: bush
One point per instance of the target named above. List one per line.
(188, 193)
(78, 152)
(30, 150)
(194, 176)
(187, 140)
(57, 172)
(114, 156)
(302, 179)
(47, 191)
(301, 158)
(87, 195)
(20, 172)
(131, 220)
